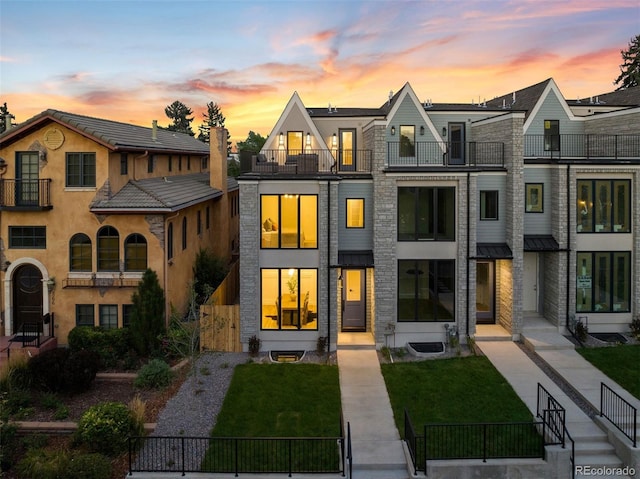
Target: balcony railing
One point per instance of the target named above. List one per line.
(25, 194)
(617, 147)
(429, 154)
(309, 162)
(97, 282)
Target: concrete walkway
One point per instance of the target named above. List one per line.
(377, 448)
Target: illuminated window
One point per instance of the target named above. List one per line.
(289, 298)
(289, 221)
(355, 213)
(603, 206)
(294, 142)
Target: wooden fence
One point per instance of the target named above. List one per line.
(220, 317)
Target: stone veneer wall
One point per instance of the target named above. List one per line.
(249, 267)
(613, 124)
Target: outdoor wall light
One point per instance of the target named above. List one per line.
(281, 139)
(421, 130)
(444, 131)
(308, 139)
(393, 130)
(334, 141)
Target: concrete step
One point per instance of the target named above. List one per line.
(608, 460)
(545, 341)
(594, 448)
(368, 473)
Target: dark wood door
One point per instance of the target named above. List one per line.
(27, 299)
(353, 300)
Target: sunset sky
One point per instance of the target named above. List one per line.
(128, 60)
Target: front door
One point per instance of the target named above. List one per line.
(456, 143)
(27, 299)
(353, 300)
(485, 292)
(347, 150)
(530, 282)
(27, 166)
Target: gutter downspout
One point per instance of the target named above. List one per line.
(167, 309)
(568, 241)
(329, 266)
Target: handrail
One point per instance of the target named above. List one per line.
(553, 416)
(582, 146)
(615, 408)
(445, 154)
(25, 193)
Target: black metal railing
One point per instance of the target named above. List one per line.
(619, 412)
(25, 194)
(237, 455)
(424, 154)
(31, 335)
(582, 146)
(473, 441)
(554, 429)
(96, 282)
(310, 161)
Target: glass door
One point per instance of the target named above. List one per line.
(347, 150)
(27, 179)
(485, 292)
(456, 143)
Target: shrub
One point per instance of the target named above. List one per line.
(113, 346)
(15, 373)
(89, 466)
(137, 407)
(147, 314)
(16, 400)
(321, 345)
(581, 331)
(635, 327)
(80, 370)
(254, 345)
(47, 369)
(50, 401)
(154, 375)
(43, 464)
(105, 428)
(9, 441)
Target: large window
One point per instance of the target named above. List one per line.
(289, 298)
(355, 212)
(551, 135)
(426, 213)
(603, 206)
(28, 237)
(109, 316)
(294, 142)
(407, 140)
(81, 169)
(108, 249)
(80, 253)
(488, 205)
(84, 314)
(603, 282)
(426, 290)
(289, 221)
(135, 253)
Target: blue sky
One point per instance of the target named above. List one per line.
(128, 60)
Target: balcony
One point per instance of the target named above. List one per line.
(29, 195)
(307, 162)
(582, 147)
(97, 282)
(433, 154)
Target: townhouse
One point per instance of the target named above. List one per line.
(88, 204)
(415, 220)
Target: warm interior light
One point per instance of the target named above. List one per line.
(335, 140)
(308, 139)
(281, 139)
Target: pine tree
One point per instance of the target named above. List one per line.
(179, 113)
(212, 118)
(147, 314)
(630, 68)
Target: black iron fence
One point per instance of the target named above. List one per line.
(32, 335)
(241, 455)
(423, 154)
(309, 161)
(581, 146)
(554, 429)
(619, 412)
(25, 194)
(473, 441)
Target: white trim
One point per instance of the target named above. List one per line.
(551, 86)
(8, 290)
(408, 91)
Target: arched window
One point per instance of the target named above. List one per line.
(135, 253)
(80, 253)
(170, 242)
(108, 249)
(184, 233)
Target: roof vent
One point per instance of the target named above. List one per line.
(390, 96)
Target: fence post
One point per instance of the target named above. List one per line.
(130, 455)
(425, 450)
(182, 442)
(290, 459)
(484, 442)
(235, 447)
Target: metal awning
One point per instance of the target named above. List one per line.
(493, 251)
(355, 258)
(540, 243)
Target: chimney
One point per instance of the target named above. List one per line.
(7, 121)
(218, 180)
(154, 130)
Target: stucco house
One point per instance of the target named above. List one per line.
(87, 204)
(414, 219)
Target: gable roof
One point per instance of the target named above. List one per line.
(160, 194)
(113, 135)
(525, 99)
(626, 97)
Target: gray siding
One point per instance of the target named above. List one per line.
(539, 223)
(551, 109)
(355, 238)
(408, 114)
(490, 231)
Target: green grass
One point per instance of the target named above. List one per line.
(278, 400)
(620, 363)
(456, 391)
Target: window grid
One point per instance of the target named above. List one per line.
(80, 253)
(135, 253)
(28, 237)
(108, 249)
(84, 315)
(109, 316)
(81, 170)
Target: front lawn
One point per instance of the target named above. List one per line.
(620, 363)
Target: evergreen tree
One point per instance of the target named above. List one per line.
(213, 118)
(254, 142)
(147, 314)
(4, 111)
(179, 113)
(630, 68)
